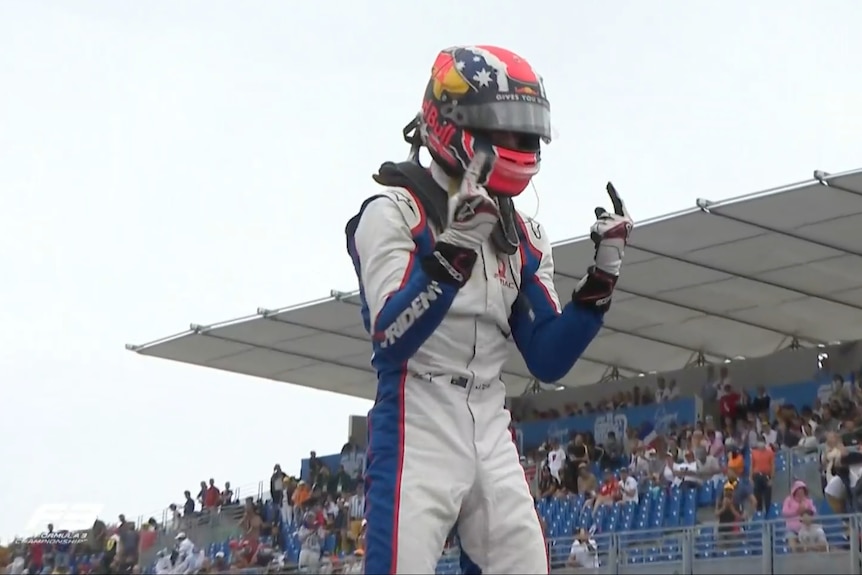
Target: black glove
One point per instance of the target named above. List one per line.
(450, 264)
(476, 215)
(595, 289)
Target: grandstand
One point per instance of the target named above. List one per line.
(766, 283)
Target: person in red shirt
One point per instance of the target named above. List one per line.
(728, 404)
(609, 491)
(36, 553)
(212, 496)
(149, 534)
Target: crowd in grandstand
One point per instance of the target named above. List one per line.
(719, 471)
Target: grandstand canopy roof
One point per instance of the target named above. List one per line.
(740, 277)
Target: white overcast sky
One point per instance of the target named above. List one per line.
(167, 162)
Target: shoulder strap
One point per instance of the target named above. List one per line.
(410, 175)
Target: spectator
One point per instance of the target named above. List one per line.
(785, 437)
(729, 514)
(315, 465)
(587, 484)
(714, 436)
(62, 550)
(187, 560)
(751, 431)
(762, 472)
(36, 555)
(743, 496)
(728, 404)
(301, 499)
(576, 454)
(341, 525)
(628, 486)
(810, 537)
(640, 466)
(310, 534)
(632, 442)
(556, 460)
(148, 534)
(276, 485)
(760, 404)
(287, 508)
(127, 556)
(613, 452)
(98, 535)
(356, 514)
(251, 523)
(687, 473)
(321, 483)
(708, 465)
(330, 509)
(667, 476)
(341, 482)
(175, 517)
(584, 553)
(794, 504)
(220, 563)
(769, 434)
(202, 493)
(189, 506)
(609, 492)
(735, 459)
(827, 423)
(549, 485)
(834, 490)
(709, 390)
(107, 561)
(698, 441)
(353, 459)
(212, 496)
(723, 382)
(226, 495)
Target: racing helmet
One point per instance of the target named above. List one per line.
(485, 98)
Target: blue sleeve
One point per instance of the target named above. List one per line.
(410, 316)
(402, 305)
(549, 338)
(552, 342)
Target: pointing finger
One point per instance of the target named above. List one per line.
(476, 173)
(616, 201)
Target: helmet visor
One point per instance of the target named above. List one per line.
(532, 118)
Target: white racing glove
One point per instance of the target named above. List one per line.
(610, 234)
(473, 220)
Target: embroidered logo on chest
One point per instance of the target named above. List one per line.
(502, 274)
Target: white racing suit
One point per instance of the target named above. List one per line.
(440, 449)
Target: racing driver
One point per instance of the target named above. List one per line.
(449, 272)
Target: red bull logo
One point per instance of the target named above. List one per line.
(440, 131)
(447, 78)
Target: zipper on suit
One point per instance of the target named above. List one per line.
(475, 344)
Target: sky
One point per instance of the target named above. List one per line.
(168, 162)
